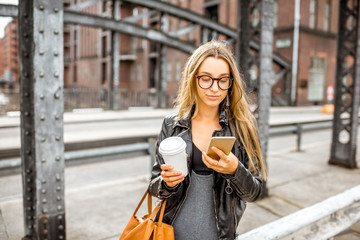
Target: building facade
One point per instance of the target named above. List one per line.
(87, 51)
(9, 66)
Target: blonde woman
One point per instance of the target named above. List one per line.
(209, 202)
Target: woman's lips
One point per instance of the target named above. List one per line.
(213, 97)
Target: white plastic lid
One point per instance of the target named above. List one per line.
(172, 146)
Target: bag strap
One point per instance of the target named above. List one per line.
(163, 204)
(141, 201)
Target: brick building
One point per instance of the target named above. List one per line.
(87, 51)
(9, 65)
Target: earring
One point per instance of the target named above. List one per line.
(228, 100)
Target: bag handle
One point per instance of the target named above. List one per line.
(141, 201)
(163, 204)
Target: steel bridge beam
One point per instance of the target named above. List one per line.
(127, 28)
(7, 10)
(347, 90)
(42, 107)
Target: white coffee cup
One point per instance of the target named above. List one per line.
(173, 151)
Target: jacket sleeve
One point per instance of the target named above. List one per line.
(247, 185)
(157, 186)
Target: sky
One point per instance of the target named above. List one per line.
(5, 20)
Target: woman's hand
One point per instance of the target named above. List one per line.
(227, 164)
(170, 176)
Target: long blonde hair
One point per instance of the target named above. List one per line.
(239, 112)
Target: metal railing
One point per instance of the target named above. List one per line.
(320, 221)
(144, 144)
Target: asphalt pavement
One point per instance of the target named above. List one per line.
(101, 196)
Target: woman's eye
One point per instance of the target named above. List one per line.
(206, 79)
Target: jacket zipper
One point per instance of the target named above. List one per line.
(228, 188)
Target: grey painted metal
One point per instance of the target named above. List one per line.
(266, 74)
(295, 52)
(115, 60)
(127, 28)
(244, 37)
(163, 63)
(134, 19)
(182, 13)
(183, 31)
(42, 146)
(7, 10)
(317, 222)
(347, 90)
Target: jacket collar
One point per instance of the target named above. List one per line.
(186, 122)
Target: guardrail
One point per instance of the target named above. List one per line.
(320, 221)
(143, 145)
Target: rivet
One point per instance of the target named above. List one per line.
(26, 94)
(28, 189)
(26, 74)
(28, 208)
(45, 221)
(25, 35)
(42, 118)
(43, 190)
(56, 10)
(57, 158)
(27, 114)
(58, 177)
(56, 53)
(59, 208)
(61, 237)
(28, 198)
(26, 54)
(28, 171)
(41, 7)
(28, 180)
(42, 74)
(43, 181)
(29, 217)
(56, 74)
(60, 217)
(58, 198)
(57, 95)
(28, 152)
(57, 138)
(27, 133)
(43, 139)
(30, 227)
(58, 188)
(44, 200)
(45, 232)
(43, 160)
(56, 32)
(61, 227)
(41, 52)
(44, 211)
(57, 117)
(25, 15)
(41, 30)
(42, 96)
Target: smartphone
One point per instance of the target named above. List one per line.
(225, 144)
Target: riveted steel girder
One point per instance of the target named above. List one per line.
(42, 107)
(347, 90)
(185, 14)
(127, 28)
(8, 10)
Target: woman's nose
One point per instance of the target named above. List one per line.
(215, 86)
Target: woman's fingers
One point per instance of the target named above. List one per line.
(171, 177)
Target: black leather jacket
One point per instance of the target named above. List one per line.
(229, 208)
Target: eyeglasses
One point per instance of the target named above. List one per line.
(205, 82)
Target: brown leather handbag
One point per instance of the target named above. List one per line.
(145, 228)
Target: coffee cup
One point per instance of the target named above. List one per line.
(173, 152)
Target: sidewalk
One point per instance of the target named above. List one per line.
(100, 197)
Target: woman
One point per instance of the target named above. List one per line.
(209, 202)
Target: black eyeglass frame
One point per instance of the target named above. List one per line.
(213, 79)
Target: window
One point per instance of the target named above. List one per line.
(212, 12)
(103, 73)
(139, 72)
(313, 6)
(327, 16)
(168, 72)
(177, 71)
(317, 79)
(103, 46)
(132, 72)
